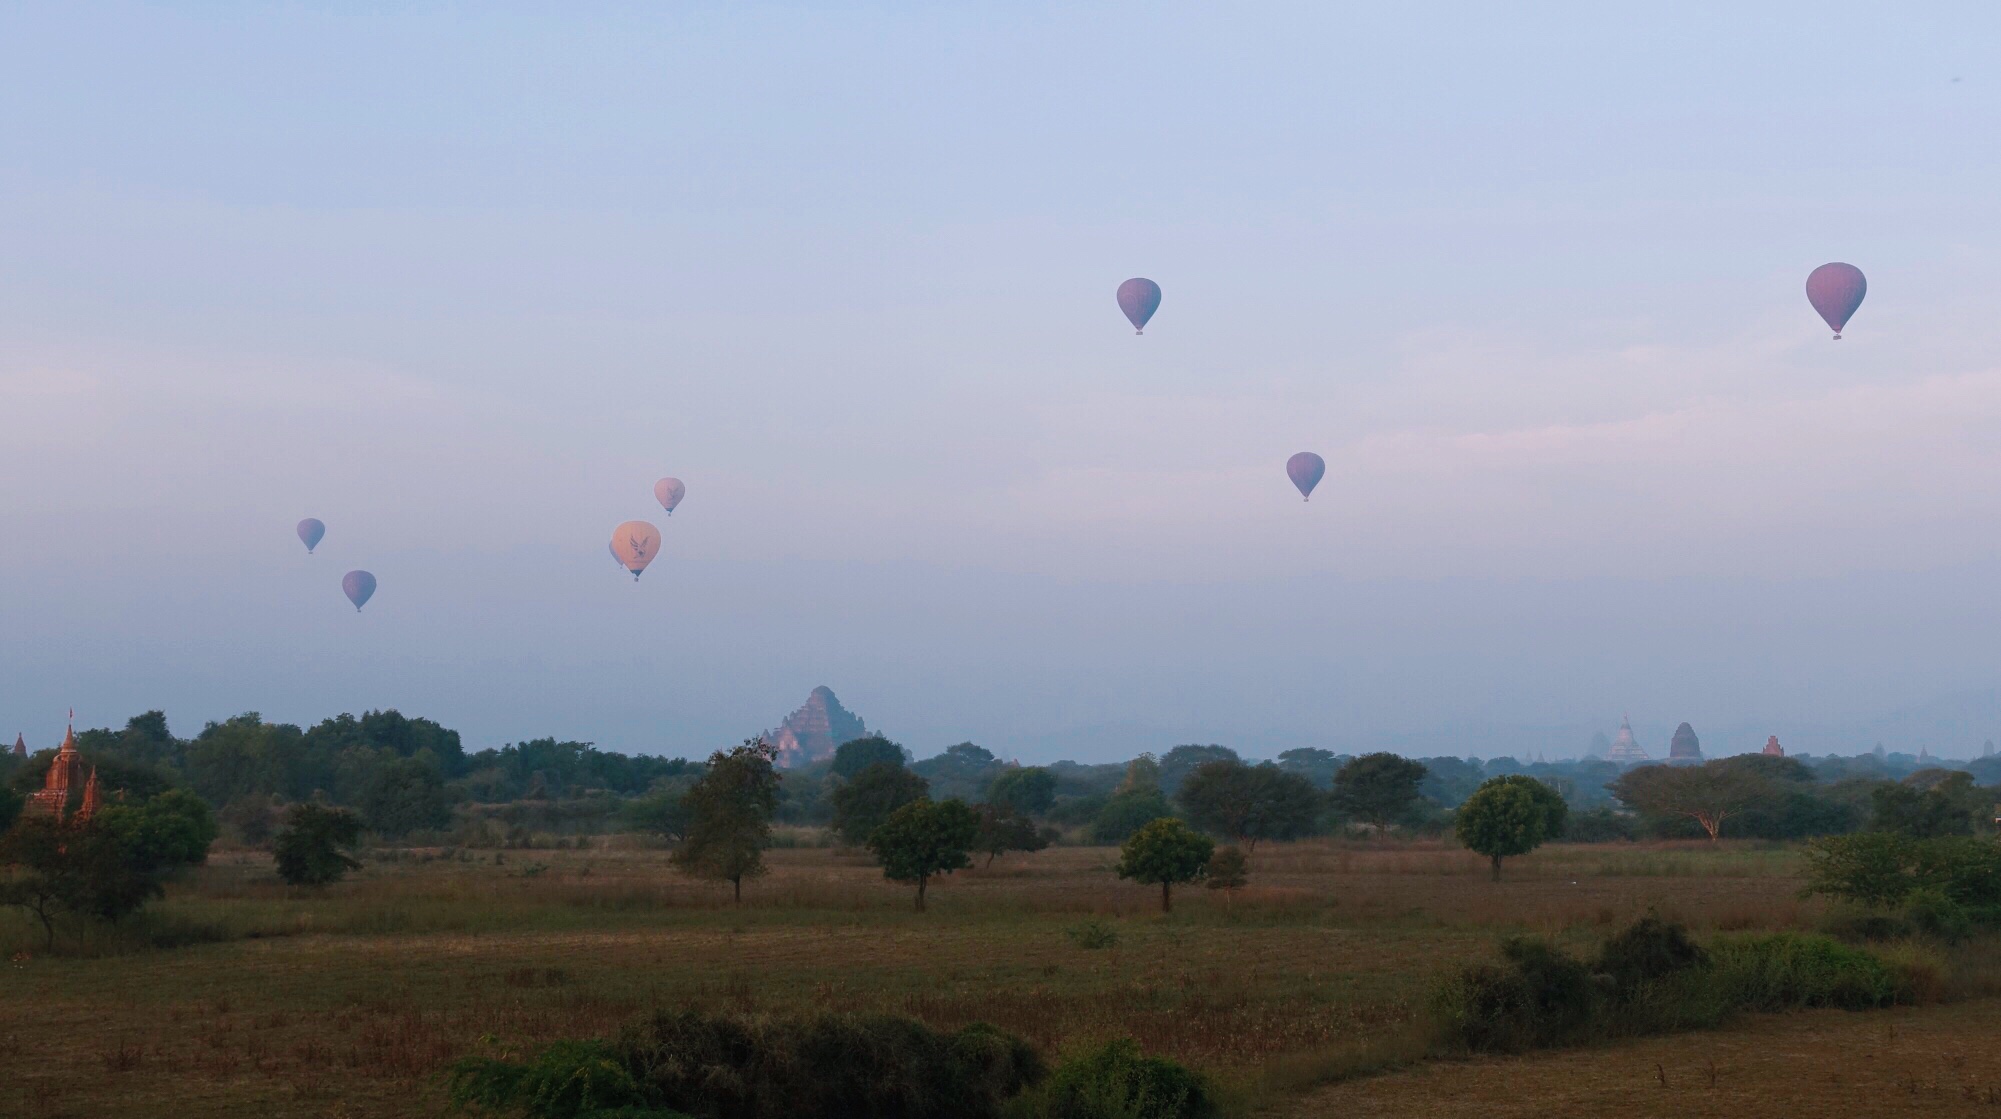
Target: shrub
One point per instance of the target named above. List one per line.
(1648, 951)
(567, 1080)
(1933, 912)
(1795, 971)
(1849, 925)
(1599, 825)
(1119, 1082)
(1538, 996)
(1092, 934)
(826, 1067)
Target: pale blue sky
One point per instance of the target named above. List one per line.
(463, 280)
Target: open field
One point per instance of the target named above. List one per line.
(347, 1004)
(1931, 1061)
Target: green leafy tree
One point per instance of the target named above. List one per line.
(729, 816)
(10, 807)
(864, 802)
(1142, 775)
(58, 869)
(1182, 761)
(1927, 804)
(1248, 803)
(1316, 765)
(1029, 790)
(1708, 794)
(1003, 830)
(1128, 812)
(144, 741)
(851, 758)
(1165, 852)
(662, 811)
(166, 832)
(1378, 789)
(312, 848)
(1509, 816)
(1228, 870)
(403, 796)
(924, 839)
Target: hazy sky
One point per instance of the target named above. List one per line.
(464, 280)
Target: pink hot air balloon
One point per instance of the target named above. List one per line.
(311, 531)
(1139, 298)
(359, 586)
(1836, 290)
(669, 492)
(1305, 469)
(635, 543)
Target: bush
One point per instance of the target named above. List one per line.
(567, 1080)
(1118, 1082)
(1600, 825)
(1092, 934)
(1852, 926)
(1536, 997)
(1934, 913)
(826, 1067)
(1795, 971)
(1648, 951)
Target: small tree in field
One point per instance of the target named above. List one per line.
(312, 848)
(1003, 830)
(1378, 788)
(1165, 851)
(729, 816)
(864, 801)
(923, 839)
(1709, 793)
(1228, 870)
(1509, 816)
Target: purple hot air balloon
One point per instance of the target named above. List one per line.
(311, 531)
(1139, 298)
(1305, 469)
(1836, 290)
(359, 586)
(669, 492)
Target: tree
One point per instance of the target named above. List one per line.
(10, 807)
(851, 758)
(312, 848)
(1709, 794)
(1926, 805)
(1509, 816)
(1003, 829)
(1165, 851)
(1377, 788)
(729, 816)
(1128, 812)
(1029, 790)
(403, 796)
(1183, 760)
(1228, 870)
(963, 769)
(165, 833)
(864, 802)
(923, 839)
(58, 868)
(1312, 763)
(1142, 775)
(1248, 803)
(662, 812)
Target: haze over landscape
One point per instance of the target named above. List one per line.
(464, 288)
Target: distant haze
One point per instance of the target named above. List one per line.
(465, 283)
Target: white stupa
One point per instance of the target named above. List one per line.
(1625, 748)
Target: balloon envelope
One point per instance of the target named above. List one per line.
(359, 587)
(1836, 290)
(1305, 469)
(1139, 298)
(669, 492)
(635, 543)
(311, 532)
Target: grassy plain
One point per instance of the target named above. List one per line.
(348, 1003)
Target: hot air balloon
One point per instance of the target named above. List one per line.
(614, 555)
(1836, 290)
(359, 586)
(1305, 469)
(669, 492)
(1139, 298)
(635, 543)
(311, 531)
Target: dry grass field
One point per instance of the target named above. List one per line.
(349, 1003)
